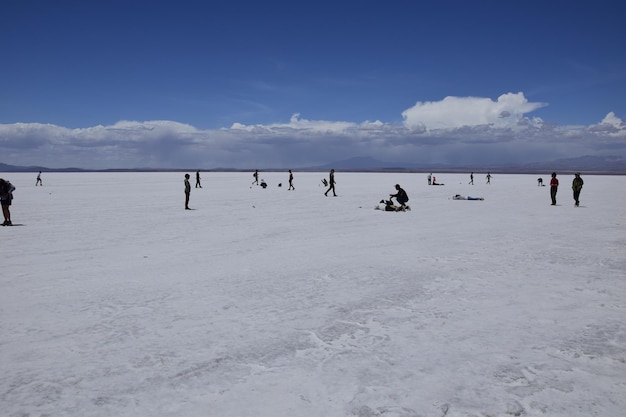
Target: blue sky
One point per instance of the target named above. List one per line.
(280, 84)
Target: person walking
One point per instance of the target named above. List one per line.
(187, 191)
(331, 183)
(471, 179)
(39, 182)
(198, 179)
(577, 185)
(291, 187)
(554, 187)
(6, 195)
(256, 177)
(489, 178)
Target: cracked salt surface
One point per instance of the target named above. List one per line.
(266, 302)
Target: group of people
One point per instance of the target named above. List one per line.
(255, 175)
(401, 195)
(577, 186)
(488, 178)
(432, 180)
(6, 191)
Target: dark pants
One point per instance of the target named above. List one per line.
(576, 196)
(553, 191)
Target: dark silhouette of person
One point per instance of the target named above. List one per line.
(6, 196)
(256, 177)
(198, 179)
(472, 178)
(554, 187)
(331, 183)
(401, 196)
(539, 182)
(39, 182)
(291, 187)
(577, 186)
(489, 178)
(187, 191)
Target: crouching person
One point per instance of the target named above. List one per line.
(401, 196)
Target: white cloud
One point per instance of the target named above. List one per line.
(296, 123)
(454, 112)
(611, 125)
(467, 130)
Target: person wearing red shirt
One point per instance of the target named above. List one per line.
(554, 186)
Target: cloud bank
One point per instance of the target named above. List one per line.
(455, 112)
(463, 130)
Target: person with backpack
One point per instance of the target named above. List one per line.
(6, 195)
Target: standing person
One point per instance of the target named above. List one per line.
(6, 195)
(554, 187)
(577, 185)
(489, 178)
(39, 182)
(187, 191)
(198, 179)
(472, 178)
(430, 179)
(401, 196)
(291, 187)
(331, 183)
(256, 177)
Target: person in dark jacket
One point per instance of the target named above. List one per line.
(577, 185)
(291, 187)
(401, 196)
(6, 195)
(187, 191)
(331, 183)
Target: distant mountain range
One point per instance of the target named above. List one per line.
(615, 165)
(588, 164)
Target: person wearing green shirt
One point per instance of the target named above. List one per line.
(577, 185)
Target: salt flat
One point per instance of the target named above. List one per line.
(116, 301)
